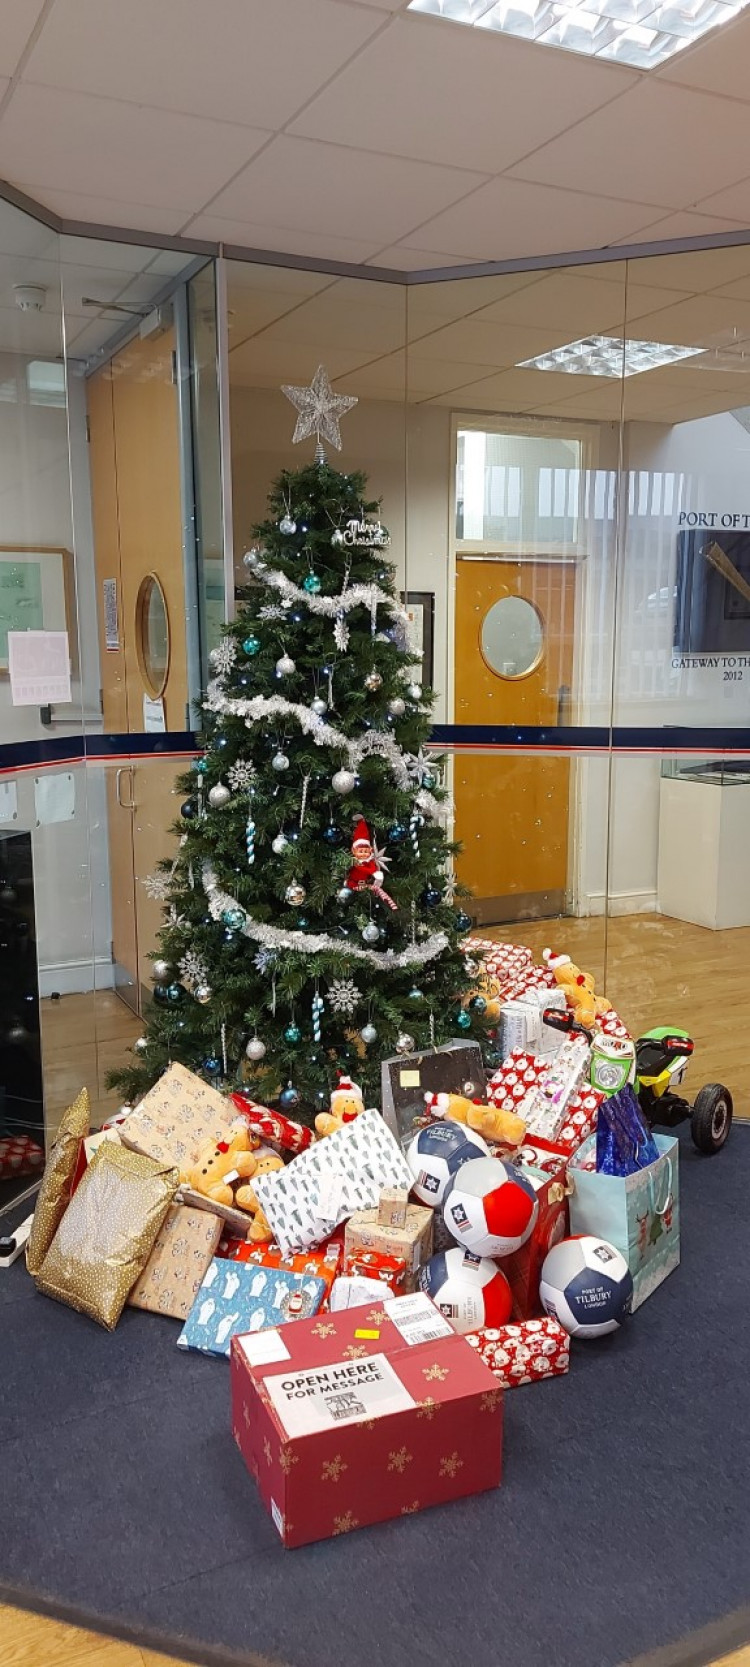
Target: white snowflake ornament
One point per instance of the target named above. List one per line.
(192, 968)
(241, 775)
(156, 887)
(223, 656)
(343, 996)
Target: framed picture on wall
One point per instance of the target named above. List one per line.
(35, 592)
(420, 606)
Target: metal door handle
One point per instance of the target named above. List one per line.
(125, 770)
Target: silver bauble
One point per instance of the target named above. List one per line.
(397, 707)
(404, 1042)
(344, 781)
(370, 932)
(319, 706)
(252, 558)
(414, 691)
(337, 537)
(368, 1034)
(202, 994)
(373, 682)
(218, 796)
(279, 844)
(285, 666)
(160, 971)
(287, 526)
(295, 893)
(279, 761)
(343, 895)
(140, 1044)
(255, 1048)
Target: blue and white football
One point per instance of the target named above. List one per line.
(586, 1284)
(435, 1155)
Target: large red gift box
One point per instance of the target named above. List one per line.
(523, 1268)
(526, 1353)
(363, 1415)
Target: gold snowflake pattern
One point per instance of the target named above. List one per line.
(377, 1316)
(367, 1423)
(490, 1400)
(333, 1469)
(267, 1450)
(435, 1373)
(408, 1510)
(321, 1330)
(399, 1459)
(355, 1351)
(345, 1524)
(246, 1419)
(428, 1407)
(287, 1458)
(450, 1465)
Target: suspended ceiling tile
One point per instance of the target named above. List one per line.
(507, 215)
(458, 298)
(282, 361)
(734, 201)
(253, 234)
(121, 153)
(698, 272)
(514, 390)
(564, 304)
(697, 320)
(240, 61)
(98, 253)
(342, 320)
(297, 184)
(717, 64)
(657, 144)
(405, 259)
(447, 94)
(683, 224)
(486, 343)
(33, 334)
(102, 211)
(603, 402)
(17, 19)
(382, 5)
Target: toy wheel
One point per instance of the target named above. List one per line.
(711, 1117)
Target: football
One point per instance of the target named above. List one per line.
(436, 1153)
(490, 1207)
(469, 1290)
(586, 1284)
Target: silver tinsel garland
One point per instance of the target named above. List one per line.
(353, 596)
(317, 943)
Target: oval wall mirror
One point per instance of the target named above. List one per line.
(512, 637)
(152, 635)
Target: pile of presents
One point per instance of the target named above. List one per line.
(379, 1398)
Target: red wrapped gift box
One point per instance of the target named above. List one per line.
(521, 1071)
(524, 1267)
(525, 1353)
(373, 1264)
(325, 1262)
(362, 1416)
(270, 1125)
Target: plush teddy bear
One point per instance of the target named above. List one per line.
(223, 1164)
(346, 1104)
(260, 1230)
(494, 1124)
(579, 989)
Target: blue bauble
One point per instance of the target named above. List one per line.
(211, 1066)
(477, 1004)
(201, 765)
(431, 897)
(333, 835)
(251, 645)
(159, 993)
(292, 1034)
(414, 995)
(463, 921)
(289, 1098)
(463, 1020)
(397, 834)
(302, 923)
(311, 584)
(187, 809)
(233, 918)
(175, 993)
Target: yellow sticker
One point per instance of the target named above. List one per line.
(367, 1334)
(409, 1079)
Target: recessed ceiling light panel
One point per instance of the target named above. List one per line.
(641, 33)
(608, 356)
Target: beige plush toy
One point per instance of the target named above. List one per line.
(501, 1127)
(260, 1230)
(579, 989)
(222, 1165)
(346, 1104)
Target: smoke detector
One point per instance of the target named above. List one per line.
(30, 297)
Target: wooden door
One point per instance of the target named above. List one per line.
(514, 665)
(135, 475)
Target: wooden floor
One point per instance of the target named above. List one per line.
(33, 1641)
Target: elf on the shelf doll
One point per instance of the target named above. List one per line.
(366, 873)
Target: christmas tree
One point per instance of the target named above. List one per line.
(311, 923)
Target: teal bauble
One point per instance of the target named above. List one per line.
(414, 995)
(175, 994)
(464, 1020)
(251, 645)
(292, 1034)
(233, 918)
(311, 584)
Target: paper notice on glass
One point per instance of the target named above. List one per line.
(153, 716)
(54, 797)
(39, 668)
(8, 801)
(111, 620)
(325, 1397)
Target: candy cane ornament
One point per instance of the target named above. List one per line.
(317, 1008)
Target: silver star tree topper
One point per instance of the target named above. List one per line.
(319, 411)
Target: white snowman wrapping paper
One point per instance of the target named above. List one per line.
(239, 1296)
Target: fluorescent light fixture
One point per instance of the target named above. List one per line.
(642, 33)
(608, 356)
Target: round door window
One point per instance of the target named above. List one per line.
(152, 635)
(512, 637)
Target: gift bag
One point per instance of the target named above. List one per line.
(639, 1213)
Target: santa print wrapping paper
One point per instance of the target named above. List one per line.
(521, 1071)
(177, 1117)
(185, 1245)
(392, 1426)
(345, 1172)
(270, 1125)
(525, 1353)
(235, 1296)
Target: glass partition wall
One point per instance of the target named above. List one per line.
(562, 460)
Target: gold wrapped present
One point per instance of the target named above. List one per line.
(107, 1233)
(57, 1182)
(364, 1231)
